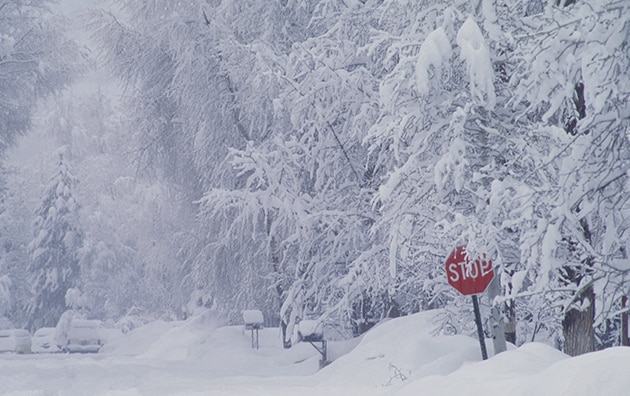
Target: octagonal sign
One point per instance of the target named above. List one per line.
(467, 276)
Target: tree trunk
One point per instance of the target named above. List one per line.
(274, 256)
(577, 326)
(624, 322)
(510, 324)
(509, 328)
(286, 343)
(496, 319)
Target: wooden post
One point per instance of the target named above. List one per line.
(255, 337)
(324, 362)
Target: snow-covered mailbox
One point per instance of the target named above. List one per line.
(254, 321)
(312, 331)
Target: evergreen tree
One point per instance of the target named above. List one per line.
(56, 239)
(36, 61)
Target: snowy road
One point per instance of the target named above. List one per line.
(82, 375)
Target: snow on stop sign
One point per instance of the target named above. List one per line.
(467, 276)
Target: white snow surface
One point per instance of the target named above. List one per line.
(200, 356)
(253, 316)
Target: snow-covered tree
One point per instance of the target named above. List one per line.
(577, 94)
(57, 238)
(437, 99)
(36, 60)
(127, 260)
(202, 77)
(324, 157)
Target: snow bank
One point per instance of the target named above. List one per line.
(399, 357)
(401, 348)
(206, 340)
(187, 340)
(533, 369)
(402, 355)
(139, 340)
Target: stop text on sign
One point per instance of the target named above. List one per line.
(469, 270)
(466, 275)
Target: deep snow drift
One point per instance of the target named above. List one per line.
(200, 356)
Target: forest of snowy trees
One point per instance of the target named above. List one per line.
(319, 159)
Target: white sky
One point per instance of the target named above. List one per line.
(96, 80)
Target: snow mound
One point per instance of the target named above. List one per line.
(137, 341)
(208, 341)
(187, 340)
(404, 356)
(400, 349)
(533, 369)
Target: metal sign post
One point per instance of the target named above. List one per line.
(482, 339)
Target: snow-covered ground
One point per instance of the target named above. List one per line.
(399, 357)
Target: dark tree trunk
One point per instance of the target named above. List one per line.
(577, 326)
(286, 343)
(510, 323)
(624, 322)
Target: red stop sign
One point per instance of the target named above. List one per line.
(467, 276)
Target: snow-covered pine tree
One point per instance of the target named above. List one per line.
(36, 61)
(57, 236)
